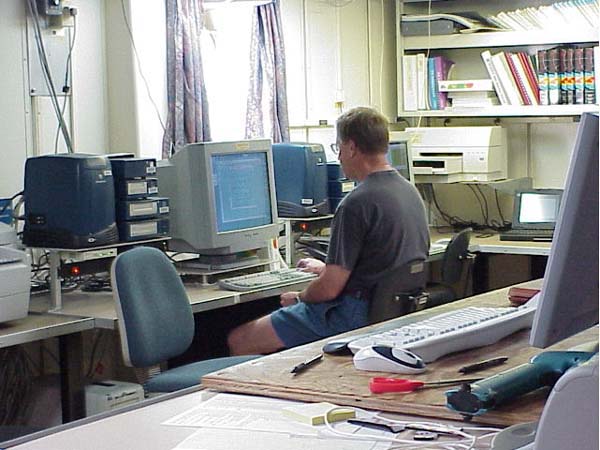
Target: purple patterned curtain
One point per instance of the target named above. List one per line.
(267, 76)
(187, 119)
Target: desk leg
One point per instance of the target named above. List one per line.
(71, 376)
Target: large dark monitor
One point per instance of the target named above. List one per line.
(568, 301)
(222, 197)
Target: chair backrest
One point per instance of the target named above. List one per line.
(456, 253)
(155, 318)
(398, 293)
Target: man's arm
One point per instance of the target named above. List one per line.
(328, 286)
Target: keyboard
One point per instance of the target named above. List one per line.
(463, 329)
(527, 235)
(262, 280)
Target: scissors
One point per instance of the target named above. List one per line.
(379, 385)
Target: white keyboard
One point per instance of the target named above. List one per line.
(454, 331)
(263, 280)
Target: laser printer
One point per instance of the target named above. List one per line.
(15, 274)
(454, 154)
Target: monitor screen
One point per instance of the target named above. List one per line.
(399, 154)
(241, 191)
(538, 207)
(568, 302)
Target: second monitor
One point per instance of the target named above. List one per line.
(222, 199)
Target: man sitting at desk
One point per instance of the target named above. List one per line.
(380, 225)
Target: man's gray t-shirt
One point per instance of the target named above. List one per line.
(379, 226)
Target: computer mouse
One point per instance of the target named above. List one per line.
(340, 346)
(383, 358)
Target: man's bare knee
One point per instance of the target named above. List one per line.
(236, 339)
(255, 337)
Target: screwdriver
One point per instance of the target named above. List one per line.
(379, 385)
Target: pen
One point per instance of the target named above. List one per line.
(483, 364)
(306, 364)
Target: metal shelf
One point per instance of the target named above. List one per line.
(500, 39)
(506, 111)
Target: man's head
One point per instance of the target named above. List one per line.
(362, 140)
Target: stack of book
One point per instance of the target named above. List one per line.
(566, 75)
(421, 77)
(514, 77)
(470, 93)
(572, 14)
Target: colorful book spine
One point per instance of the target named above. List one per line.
(528, 65)
(578, 75)
(494, 75)
(570, 77)
(563, 75)
(553, 77)
(517, 78)
(433, 84)
(443, 66)
(542, 76)
(589, 80)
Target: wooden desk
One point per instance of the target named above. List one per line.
(335, 379)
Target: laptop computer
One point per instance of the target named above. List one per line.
(534, 215)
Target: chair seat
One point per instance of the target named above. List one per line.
(190, 374)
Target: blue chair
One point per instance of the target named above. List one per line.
(156, 321)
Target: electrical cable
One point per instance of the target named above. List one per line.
(68, 79)
(139, 66)
(32, 5)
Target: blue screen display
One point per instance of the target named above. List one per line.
(241, 191)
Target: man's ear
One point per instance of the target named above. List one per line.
(352, 147)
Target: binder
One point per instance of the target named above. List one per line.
(553, 77)
(578, 75)
(589, 79)
(443, 66)
(409, 82)
(520, 78)
(433, 85)
(542, 76)
(528, 65)
(500, 92)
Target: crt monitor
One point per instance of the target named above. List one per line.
(222, 197)
(568, 301)
(400, 154)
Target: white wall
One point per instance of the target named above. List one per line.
(89, 90)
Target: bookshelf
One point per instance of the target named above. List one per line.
(465, 50)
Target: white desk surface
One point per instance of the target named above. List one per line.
(493, 244)
(141, 429)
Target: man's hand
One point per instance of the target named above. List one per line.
(311, 265)
(288, 298)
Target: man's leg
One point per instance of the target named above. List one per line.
(255, 337)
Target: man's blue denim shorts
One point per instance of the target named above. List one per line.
(307, 322)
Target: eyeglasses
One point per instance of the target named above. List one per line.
(335, 148)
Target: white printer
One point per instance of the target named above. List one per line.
(15, 274)
(453, 154)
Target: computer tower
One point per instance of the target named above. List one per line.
(300, 179)
(69, 201)
(338, 186)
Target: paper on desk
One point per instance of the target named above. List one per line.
(242, 412)
(215, 439)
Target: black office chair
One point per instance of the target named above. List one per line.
(456, 267)
(398, 293)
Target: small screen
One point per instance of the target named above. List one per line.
(398, 158)
(241, 190)
(536, 208)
